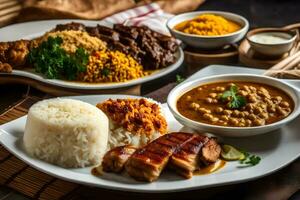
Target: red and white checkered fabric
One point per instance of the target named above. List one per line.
(150, 15)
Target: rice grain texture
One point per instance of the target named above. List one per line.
(66, 132)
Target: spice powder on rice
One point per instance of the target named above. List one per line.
(208, 25)
(112, 66)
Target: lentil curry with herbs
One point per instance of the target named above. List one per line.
(235, 104)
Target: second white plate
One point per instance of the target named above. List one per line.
(277, 149)
(30, 30)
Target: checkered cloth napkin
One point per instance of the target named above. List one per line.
(150, 15)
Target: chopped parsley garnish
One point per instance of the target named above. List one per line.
(55, 63)
(105, 71)
(179, 79)
(250, 160)
(235, 101)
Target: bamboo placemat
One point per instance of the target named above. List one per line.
(19, 176)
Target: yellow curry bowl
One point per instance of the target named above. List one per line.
(208, 29)
(230, 130)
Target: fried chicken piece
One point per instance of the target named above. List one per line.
(4, 46)
(14, 53)
(5, 67)
(17, 53)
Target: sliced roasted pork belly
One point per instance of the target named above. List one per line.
(147, 163)
(186, 159)
(210, 152)
(115, 159)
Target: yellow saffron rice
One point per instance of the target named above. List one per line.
(112, 66)
(208, 25)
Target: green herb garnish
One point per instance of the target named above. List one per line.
(250, 160)
(179, 79)
(105, 71)
(55, 63)
(236, 101)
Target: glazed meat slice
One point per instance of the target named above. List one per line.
(147, 163)
(115, 159)
(210, 152)
(70, 26)
(186, 159)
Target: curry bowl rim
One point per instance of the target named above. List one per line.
(244, 26)
(177, 92)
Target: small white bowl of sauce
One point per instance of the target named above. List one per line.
(271, 42)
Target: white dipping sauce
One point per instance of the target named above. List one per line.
(271, 38)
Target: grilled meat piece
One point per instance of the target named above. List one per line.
(112, 44)
(70, 26)
(147, 163)
(151, 49)
(115, 159)
(157, 55)
(183, 152)
(167, 42)
(132, 48)
(210, 152)
(103, 30)
(154, 49)
(186, 159)
(127, 31)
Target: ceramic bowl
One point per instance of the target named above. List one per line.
(208, 42)
(275, 49)
(181, 89)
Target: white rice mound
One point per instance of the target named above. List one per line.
(66, 132)
(118, 136)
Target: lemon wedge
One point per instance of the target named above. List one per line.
(230, 153)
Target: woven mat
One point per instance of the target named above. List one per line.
(20, 177)
(17, 175)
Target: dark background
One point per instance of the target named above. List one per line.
(260, 13)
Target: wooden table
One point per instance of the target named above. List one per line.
(260, 13)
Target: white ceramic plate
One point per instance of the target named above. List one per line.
(30, 30)
(276, 149)
(208, 42)
(178, 91)
(212, 70)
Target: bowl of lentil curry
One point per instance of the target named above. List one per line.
(208, 29)
(237, 105)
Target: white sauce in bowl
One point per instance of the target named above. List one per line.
(271, 38)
